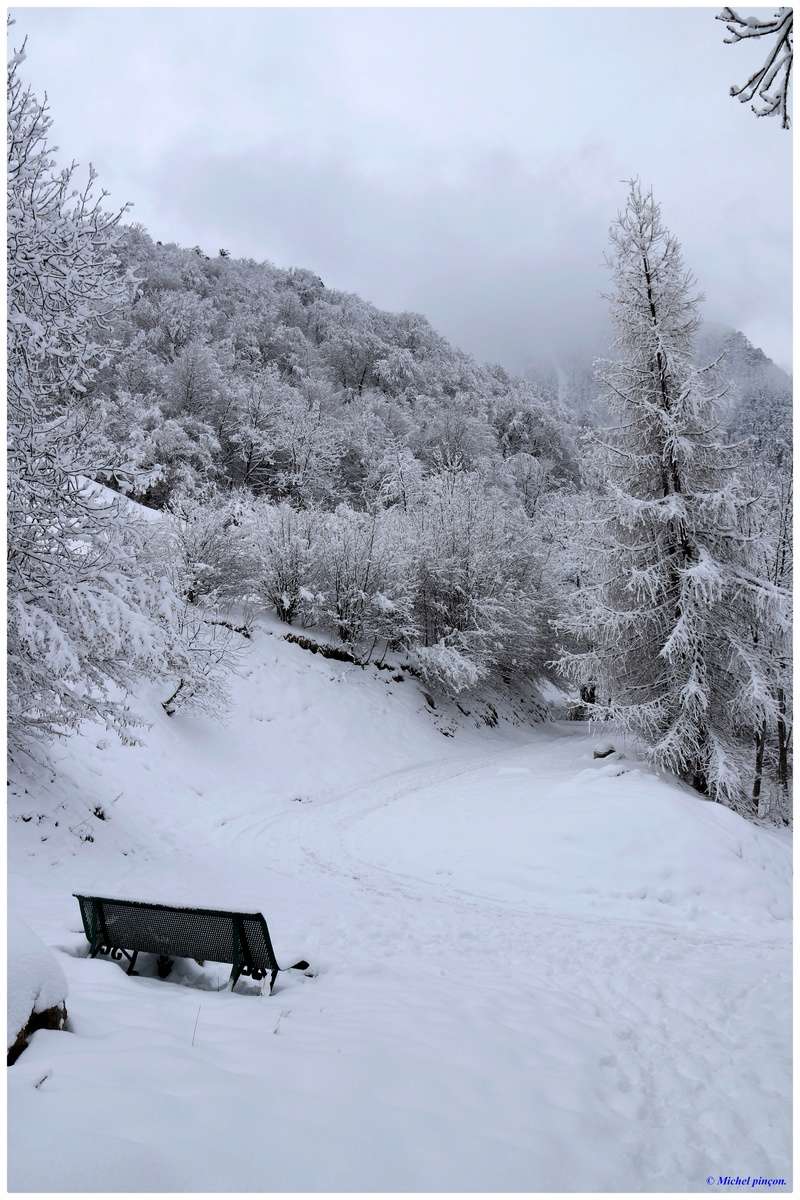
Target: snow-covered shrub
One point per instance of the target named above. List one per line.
(203, 654)
(212, 553)
(478, 572)
(202, 552)
(284, 542)
(152, 456)
(37, 989)
(367, 578)
(86, 619)
(388, 619)
(445, 668)
(352, 563)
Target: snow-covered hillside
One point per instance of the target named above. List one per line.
(535, 969)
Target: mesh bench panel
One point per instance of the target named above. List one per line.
(177, 932)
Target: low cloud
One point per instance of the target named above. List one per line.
(451, 162)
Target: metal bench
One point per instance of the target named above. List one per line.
(124, 928)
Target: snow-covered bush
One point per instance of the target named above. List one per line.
(284, 542)
(353, 561)
(445, 668)
(212, 552)
(203, 655)
(153, 456)
(84, 622)
(367, 578)
(478, 572)
(202, 551)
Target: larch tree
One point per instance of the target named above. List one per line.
(669, 615)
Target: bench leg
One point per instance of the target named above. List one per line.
(273, 976)
(132, 963)
(234, 977)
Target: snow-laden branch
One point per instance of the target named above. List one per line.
(767, 89)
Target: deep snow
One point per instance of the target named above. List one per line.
(535, 970)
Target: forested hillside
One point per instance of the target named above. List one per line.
(757, 404)
(385, 486)
(351, 471)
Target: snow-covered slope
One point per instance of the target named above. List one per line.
(535, 969)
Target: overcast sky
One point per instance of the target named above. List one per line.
(463, 163)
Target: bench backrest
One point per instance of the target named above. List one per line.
(201, 933)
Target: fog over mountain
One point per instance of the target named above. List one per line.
(461, 163)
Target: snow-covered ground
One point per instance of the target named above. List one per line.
(536, 970)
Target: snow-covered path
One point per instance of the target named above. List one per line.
(535, 972)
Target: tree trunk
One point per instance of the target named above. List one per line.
(783, 743)
(761, 741)
(588, 695)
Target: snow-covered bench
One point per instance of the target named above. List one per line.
(124, 928)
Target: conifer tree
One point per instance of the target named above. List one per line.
(670, 612)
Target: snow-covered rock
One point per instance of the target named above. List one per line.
(603, 749)
(37, 988)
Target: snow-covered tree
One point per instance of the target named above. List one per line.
(251, 438)
(307, 444)
(670, 613)
(83, 619)
(769, 529)
(197, 385)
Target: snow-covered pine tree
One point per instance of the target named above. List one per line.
(83, 621)
(669, 614)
